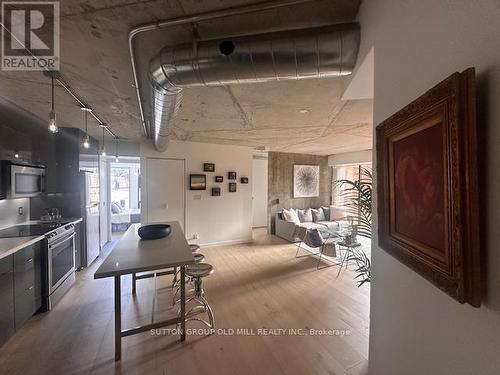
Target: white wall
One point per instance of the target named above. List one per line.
(217, 220)
(259, 191)
(349, 158)
(415, 328)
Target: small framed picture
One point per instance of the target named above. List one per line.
(232, 187)
(244, 180)
(219, 179)
(197, 182)
(208, 167)
(231, 175)
(216, 192)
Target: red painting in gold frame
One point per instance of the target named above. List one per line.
(428, 187)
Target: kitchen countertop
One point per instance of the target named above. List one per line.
(9, 246)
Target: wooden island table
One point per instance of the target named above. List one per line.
(132, 255)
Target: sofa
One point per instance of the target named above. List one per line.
(335, 220)
(122, 218)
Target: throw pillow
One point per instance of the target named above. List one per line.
(305, 216)
(318, 214)
(115, 208)
(326, 211)
(337, 213)
(291, 216)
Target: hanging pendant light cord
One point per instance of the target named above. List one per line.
(53, 94)
(86, 126)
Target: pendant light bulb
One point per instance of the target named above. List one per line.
(103, 152)
(86, 143)
(53, 128)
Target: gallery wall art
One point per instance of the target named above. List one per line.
(197, 182)
(428, 187)
(208, 167)
(305, 181)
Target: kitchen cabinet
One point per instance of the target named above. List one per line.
(27, 283)
(7, 326)
(20, 288)
(79, 245)
(69, 153)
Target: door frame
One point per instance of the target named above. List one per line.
(144, 189)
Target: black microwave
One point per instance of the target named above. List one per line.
(20, 180)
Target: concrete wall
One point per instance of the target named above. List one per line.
(217, 220)
(280, 185)
(415, 328)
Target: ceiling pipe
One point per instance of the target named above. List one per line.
(195, 18)
(320, 52)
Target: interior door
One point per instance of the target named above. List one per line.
(259, 192)
(103, 209)
(165, 190)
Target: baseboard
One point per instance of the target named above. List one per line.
(229, 242)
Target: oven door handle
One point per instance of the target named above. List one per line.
(53, 245)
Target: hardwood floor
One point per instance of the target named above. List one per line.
(257, 285)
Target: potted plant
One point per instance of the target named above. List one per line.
(357, 196)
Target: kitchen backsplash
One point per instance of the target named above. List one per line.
(67, 203)
(9, 211)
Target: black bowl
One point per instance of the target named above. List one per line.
(154, 231)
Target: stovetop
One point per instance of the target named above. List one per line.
(28, 230)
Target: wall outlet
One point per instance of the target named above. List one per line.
(20, 211)
(196, 236)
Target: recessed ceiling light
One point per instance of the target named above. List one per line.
(303, 110)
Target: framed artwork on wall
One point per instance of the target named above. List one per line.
(208, 167)
(197, 182)
(231, 175)
(244, 180)
(305, 181)
(428, 187)
(232, 187)
(219, 178)
(216, 192)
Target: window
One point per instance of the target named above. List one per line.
(345, 172)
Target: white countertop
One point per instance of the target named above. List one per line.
(9, 246)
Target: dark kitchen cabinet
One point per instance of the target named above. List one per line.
(78, 245)
(27, 283)
(69, 152)
(7, 326)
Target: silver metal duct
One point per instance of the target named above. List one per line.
(329, 51)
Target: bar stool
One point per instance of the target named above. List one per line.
(198, 258)
(194, 249)
(197, 272)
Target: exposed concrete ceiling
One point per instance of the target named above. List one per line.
(95, 61)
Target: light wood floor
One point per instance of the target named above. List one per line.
(258, 285)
